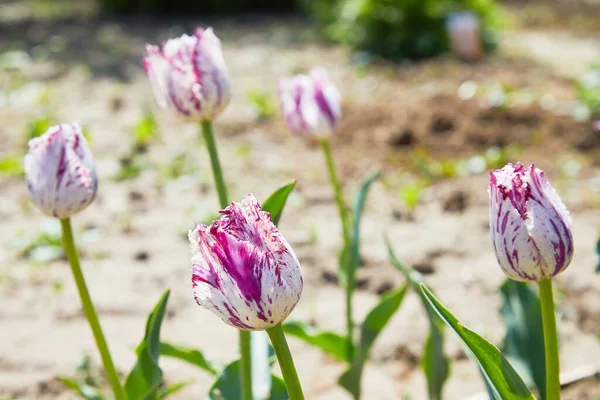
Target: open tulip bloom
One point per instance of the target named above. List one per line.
(61, 180)
(531, 233)
(246, 273)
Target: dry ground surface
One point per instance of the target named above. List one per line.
(396, 118)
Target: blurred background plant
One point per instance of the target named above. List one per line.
(400, 29)
(588, 91)
(394, 29)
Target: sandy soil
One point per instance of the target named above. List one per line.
(91, 73)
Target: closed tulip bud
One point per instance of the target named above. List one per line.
(244, 270)
(189, 76)
(310, 104)
(530, 226)
(60, 173)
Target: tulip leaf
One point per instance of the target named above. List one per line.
(227, 386)
(524, 341)
(172, 389)
(497, 370)
(276, 201)
(353, 252)
(146, 376)
(192, 356)
(372, 326)
(434, 362)
(84, 390)
(330, 342)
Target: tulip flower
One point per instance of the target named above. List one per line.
(60, 173)
(246, 273)
(244, 270)
(531, 232)
(310, 104)
(530, 226)
(189, 76)
(61, 180)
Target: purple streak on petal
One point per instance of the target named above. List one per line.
(323, 104)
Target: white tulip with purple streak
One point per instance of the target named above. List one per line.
(310, 104)
(59, 170)
(189, 76)
(244, 270)
(530, 225)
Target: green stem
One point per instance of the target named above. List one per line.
(343, 214)
(244, 336)
(90, 312)
(286, 363)
(209, 139)
(337, 190)
(550, 341)
(245, 365)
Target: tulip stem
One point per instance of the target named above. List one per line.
(89, 311)
(550, 341)
(286, 363)
(244, 336)
(209, 140)
(343, 214)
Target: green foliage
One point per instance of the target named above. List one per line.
(42, 246)
(588, 89)
(276, 201)
(434, 362)
(39, 126)
(145, 378)
(263, 103)
(353, 253)
(131, 167)
(11, 165)
(191, 356)
(504, 380)
(372, 326)
(145, 131)
(329, 342)
(410, 193)
(524, 341)
(399, 29)
(227, 386)
(87, 380)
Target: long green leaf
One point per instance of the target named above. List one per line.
(524, 341)
(372, 326)
(227, 385)
(434, 362)
(146, 376)
(501, 375)
(276, 201)
(330, 342)
(354, 251)
(192, 356)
